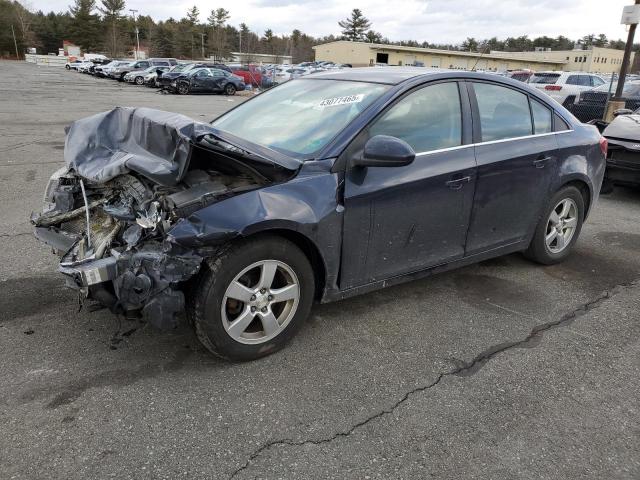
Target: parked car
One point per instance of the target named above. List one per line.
(167, 78)
(73, 64)
(151, 78)
(520, 75)
(321, 188)
(105, 70)
(623, 158)
(120, 71)
(250, 74)
(591, 104)
(138, 76)
(207, 80)
(564, 87)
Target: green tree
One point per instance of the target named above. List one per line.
(373, 36)
(217, 21)
(268, 40)
(112, 14)
(85, 28)
(469, 45)
(354, 27)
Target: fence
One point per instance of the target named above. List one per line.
(46, 60)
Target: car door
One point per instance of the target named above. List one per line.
(199, 80)
(218, 80)
(516, 153)
(407, 218)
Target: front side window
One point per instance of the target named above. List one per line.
(504, 112)
(427, 119)
(596, 81)
(300, 117)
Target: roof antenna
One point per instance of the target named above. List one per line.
(484, 50)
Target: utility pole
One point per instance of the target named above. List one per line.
(133, 13)
(630, 16)
(15, 43)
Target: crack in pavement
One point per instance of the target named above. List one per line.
(464, 369)
(10, 235)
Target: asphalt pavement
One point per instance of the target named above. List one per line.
(501, 370)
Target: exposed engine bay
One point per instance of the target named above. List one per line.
(110, 230)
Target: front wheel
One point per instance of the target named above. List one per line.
(559, 228)
(139, 80)
(230, 89)
(252, 299)
(183, 88)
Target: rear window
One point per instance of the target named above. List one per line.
(545, 78)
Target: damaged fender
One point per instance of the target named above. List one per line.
(300, 205)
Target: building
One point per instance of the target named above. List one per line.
(260, 58)
(361, 54)
(594, 60)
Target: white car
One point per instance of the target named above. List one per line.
(565, 87)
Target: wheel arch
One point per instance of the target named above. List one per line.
(308, 247)
(585, 190)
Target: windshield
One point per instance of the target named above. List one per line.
(547, 78)
(300, 117)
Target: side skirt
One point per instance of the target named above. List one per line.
(335, 295)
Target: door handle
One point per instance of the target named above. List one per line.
(457, 183)
(540, 162)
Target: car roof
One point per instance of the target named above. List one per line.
(398, 75)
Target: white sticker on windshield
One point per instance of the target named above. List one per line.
(333, 102)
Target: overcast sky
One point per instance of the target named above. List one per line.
(437, 21)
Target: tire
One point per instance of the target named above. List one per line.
(213, 310)
(139, 81)
(569, 101)
(229, 89)
(121, 78)
(545, 253)
(182, 88)
(67, 67)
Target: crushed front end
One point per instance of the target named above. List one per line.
(115, 250)
(131, 175)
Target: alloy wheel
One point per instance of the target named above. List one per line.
(561, 225)
(260, 302)
(230, 89)
(183, 88)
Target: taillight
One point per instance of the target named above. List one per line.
(604, 146)
(553, 87)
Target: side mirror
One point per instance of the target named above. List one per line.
(385, 151)
(622, 111)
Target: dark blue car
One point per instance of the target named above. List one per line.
(316, 190)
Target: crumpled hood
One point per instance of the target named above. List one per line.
(152, 143)
(625, 127)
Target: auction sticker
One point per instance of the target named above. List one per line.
(347, 99)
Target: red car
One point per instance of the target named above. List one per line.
(251, 74)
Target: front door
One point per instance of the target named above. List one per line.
(516, 153)
(403, 219)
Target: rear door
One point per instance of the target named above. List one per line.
(403, 219)
(516, 152)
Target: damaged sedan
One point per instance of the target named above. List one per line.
(316, 190)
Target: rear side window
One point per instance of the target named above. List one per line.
(545, 78)
(428, 119)
(581, 80)
(560, 124)
(541, 117)
(504, 112)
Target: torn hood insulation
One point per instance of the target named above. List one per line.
(152, 143)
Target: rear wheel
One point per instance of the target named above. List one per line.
(252, 299)
(559, 228)
(230, 89)
(183, 88)
(569, 101)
